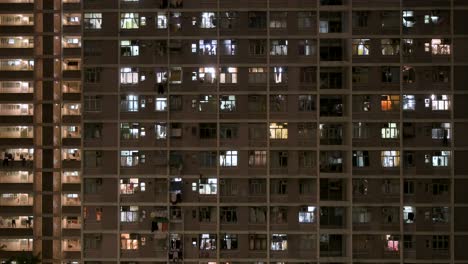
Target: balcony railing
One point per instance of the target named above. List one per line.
(71, 245)
(17, 20)
(16, 177)
(16, 87)
(16, 65)
(16, 199)
(71, 109)
(16, 132)
(23, 244)
(16, 109)
(71, 87)
(16, 222)
(16, 42)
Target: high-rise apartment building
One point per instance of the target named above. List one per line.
(223, 131)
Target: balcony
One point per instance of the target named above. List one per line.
(21, 134)
(16, 199)
(16, 177)
(13, 247)
(16, 65)
(71, 199)
(17, 20)
(71, 248)
(12, 47)
(71, 222)
(16, 87)
(18, 157)
(71, 177)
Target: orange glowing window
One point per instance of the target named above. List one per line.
(390, 102)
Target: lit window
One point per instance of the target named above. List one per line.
(307, 214)
(439, 159)
(129, 186)
(280, 75)
(130, 158)
(228, 47)
(441, 131)
(390, 102)
(438, 47)
(438, 102)
(208, 20)
(129, 131)
(205, 75)
(129, 48)
(390, 131)
(129, 241)
(227, 103)
(161, 21)
(206, 186)
(433, 18)
(307, 47)
(93, 20)
(361, 47)
(160, 104)
(360, 159)
(408, 19)
(409, 214)
(228, 158)
(390, 158)
(390, 46)
(279, 47)
(409, 102)
(207, 242)
(323, 27)
(279, 242)
(392, 243)
(129, 21)
(161, 131)
(128, 75)
(278, 19)
(278, 130)
(228, 75)
(130, 103)
(205, 47)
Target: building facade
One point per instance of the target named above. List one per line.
(219, 131)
